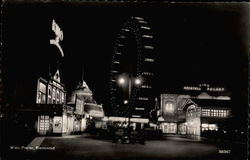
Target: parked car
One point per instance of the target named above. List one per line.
(128, 136)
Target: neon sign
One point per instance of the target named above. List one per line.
(59, 36)
(58, 32)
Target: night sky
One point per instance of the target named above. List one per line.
(194, 43)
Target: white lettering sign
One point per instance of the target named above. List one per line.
(59, 36)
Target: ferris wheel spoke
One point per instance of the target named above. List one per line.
(135, 32)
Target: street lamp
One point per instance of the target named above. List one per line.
(137, 81)
(125, 101)
(123, 80)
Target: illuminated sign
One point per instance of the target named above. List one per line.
(59, 36)
(57, 30)
(57, 124)
(94, 113)
(42, 87)
(120, 119)
(79, 105)
(139, 120)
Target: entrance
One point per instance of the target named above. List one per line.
(44, 124)
(170, 128)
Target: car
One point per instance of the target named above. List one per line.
(128, 136)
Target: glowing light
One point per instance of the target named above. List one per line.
(137, 81)
(142, 109)
(57, 30)
(138, 18)
(148, 47)
(140, 120)
(144, 22)
(59, 36)
(125, 101)
(143, 98)
(204, 125)
(117, 118)
(121, 81)
(149, 60)
(145, 86)
(144, 27)
(212, 127)
(161, 119)
(169, 108)
(147, 36)
(138, 116)
(54, 42)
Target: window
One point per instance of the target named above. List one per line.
(62, 95)
(49, 95)
(57, 97)
(206, 112)
(41, 93)
(44, 123)
(169, 108)
(214, 113)
(54, 95)
(223, 113)
(38, 97)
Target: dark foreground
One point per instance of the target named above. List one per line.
(91, 148)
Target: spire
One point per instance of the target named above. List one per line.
(82, 73)
(49, 71)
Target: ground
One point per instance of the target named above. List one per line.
(170, 148)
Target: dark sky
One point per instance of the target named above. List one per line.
(194, 43)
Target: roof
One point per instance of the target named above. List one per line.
(212, 103)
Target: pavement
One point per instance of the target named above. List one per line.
(78, 147)
(36, 142)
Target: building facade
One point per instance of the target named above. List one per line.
(85, 104)
(55, 117)
(194, 114)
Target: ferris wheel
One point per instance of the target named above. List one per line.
(133, 58)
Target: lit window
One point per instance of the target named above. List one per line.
(149, 60)
(57, 96)
(62, 97)
(206, 112)
(49, 95)
(145, 86)
(143, 98)
(44, 123)
(214, 113)
(169, 108)
(39, 97)
(54, 96)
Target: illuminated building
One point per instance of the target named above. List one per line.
(202, 110)
(55, 117)
(85, 104)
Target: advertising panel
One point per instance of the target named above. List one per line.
(57, 124)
